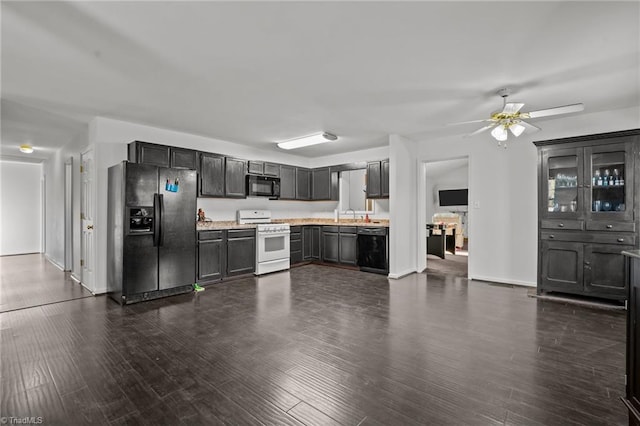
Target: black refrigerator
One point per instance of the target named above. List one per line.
(151, 234)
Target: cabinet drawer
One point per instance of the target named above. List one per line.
(589, 237)
(330, 229)
(295, 245)
(626, 239)
(295, 236)
(348, 230)
(240, 233)
(562, 224)
(611, 226)
(295, 229)
(209, 235)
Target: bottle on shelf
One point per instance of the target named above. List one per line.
(605, 179)
(597, 178)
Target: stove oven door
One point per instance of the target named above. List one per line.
(272, 246)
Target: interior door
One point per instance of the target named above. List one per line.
(87, 210)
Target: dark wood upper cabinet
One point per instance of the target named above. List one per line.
(211, 175)
(264, 168)
(271, 169)
(183, 158)
(374, 189)
(384, 178)
(149, 153)
(235, 178)
(303, 184)
(162, 155)
(287, 182)
(256, 167)
(321, 183)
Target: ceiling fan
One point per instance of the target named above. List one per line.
(511, 119)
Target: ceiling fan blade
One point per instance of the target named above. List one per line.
(529, 127)
(469, 122)
(480, 130)
(553, 111)
(512, 108)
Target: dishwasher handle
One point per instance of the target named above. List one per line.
(372, 231)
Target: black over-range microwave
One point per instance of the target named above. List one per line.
(263, 186)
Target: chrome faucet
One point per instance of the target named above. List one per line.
(354, 213)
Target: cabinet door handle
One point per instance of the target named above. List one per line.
(621, 240)
(587, 186)
(561, 225)
(551, 237)
(587, 263)
(609, 226)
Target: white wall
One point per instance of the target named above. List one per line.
(503, 183)
(403, 206)
(20, 208)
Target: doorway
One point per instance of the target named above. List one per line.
(446, 207)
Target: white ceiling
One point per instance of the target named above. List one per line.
(259, 72)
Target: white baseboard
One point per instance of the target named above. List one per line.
(401, 274)
(53, 262)
(503, 281)
(75, 278)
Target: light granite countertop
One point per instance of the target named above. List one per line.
(231, 224)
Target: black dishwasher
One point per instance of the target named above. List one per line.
(373, 250)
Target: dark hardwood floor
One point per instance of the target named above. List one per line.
(317, 345)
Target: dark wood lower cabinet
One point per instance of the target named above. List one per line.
(349, 248)
(604, 270)
(241, 252)
(311, 242)
(585, 269)
(210, 255)
(562, 266)
(225, 253)
(295, 244)
(632, 278)
(330, 244)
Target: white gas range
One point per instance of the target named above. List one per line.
(272, 241)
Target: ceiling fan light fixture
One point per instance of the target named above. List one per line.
(26, 148)
(309, 140)
(516, 129)
(500, 133)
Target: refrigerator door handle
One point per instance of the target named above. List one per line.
(161, 237)
(156, 220)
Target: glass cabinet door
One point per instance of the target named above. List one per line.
(561, 183)
(608, 192)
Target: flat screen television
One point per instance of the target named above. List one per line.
(453, 197)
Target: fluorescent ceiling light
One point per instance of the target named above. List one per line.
(308, 140)
(27, 149)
